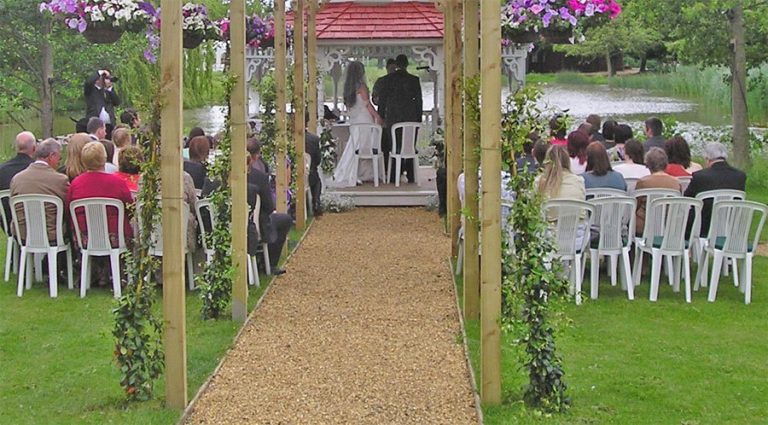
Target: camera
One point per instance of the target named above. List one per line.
(112, 78)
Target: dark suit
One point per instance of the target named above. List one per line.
(312, 148)
(8, 170)
(400, 97)
(719, 175)
(97, 98)
(197, 171)
(274, 226)
(653, 142)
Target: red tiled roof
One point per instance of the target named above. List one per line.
(396, 20)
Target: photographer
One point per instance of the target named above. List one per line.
(101, 99)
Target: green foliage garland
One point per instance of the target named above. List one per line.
(531, 291)
(327, 148)
(138, 330)
(216, 282)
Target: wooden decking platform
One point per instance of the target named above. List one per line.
(407, 195)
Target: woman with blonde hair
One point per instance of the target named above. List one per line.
(73, 166)
(557, 181)
(121, 137)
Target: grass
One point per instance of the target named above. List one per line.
(566, 77)
(637, 362)
(57, 357)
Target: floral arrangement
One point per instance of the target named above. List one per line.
(327, 149)
(132, 15)
(259, 32)
(532, 15)
(197, 23)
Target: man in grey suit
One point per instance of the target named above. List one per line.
(41, 178)
(653, 131)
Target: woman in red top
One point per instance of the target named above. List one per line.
(95, 183)
(557, 131)
(129, 167)
(679, 155)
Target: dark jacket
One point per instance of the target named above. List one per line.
(653, 142)
(400, 96)
(312, 148)
(258, 184)
(97, 98)
(718, 176)
(197, 171)
(8, 170)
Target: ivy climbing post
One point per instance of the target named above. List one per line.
(299, 107)
(312, 65)
(282, 136)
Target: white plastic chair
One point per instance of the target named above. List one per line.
(573, 220)
(156, 241)
(98, 241)
(712, 197)
(307, 192)
(665, 235)
(631, 184)
(204, 205)
(11, 247)
(409, 131)
(372, 150)
(616, 221)
(604, 192)
(731, 236)
(685, 181)
(36, 241)
(264, 247)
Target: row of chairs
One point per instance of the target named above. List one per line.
(35, 244)
(373, 152)
(667, 234)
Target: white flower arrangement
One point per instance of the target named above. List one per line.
(196, 21)
(124, 14)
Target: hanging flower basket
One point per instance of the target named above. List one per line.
(557, 35)
(192, 41)
(102, 33)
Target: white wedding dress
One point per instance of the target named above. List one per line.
(349, 170)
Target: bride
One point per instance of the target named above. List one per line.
(357, 99)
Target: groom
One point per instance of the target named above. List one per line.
(400, 99)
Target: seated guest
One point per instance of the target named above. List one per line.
(577, 151)
(656, 161)
(41, 178)
(527, 161)
(130, 167)
(196, 165)
(96, 129)
(109, 147)
(718, 174)
(96, 183)
(312, 148)
(594, 134)
(633, 166)
(130, 118)
(73, 166)
(121, 137)
(25, 151)
(257, 161)
(621, 133)
(609, 127)
(194, 132)
(557, 181)
(654, 129)
(274, 226)
(557, 130)
(599, 173)
(679, 156)
(540, 149)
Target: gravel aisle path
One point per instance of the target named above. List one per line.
(362, 329)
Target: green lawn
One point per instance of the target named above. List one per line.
(56, 357)
(653, 363)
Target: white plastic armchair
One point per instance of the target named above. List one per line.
(203, 212)
(713, 197)
(263, 246)
(11, 247)
(97, 242)
(685, 181)
(571, 232)
(665, 234)
(616, 223)
(604, 192)
(631, 184)
(372, 150)
(156, 241)
(733, 236)
(34, 240)
(407, 150)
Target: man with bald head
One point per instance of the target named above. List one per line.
(25, 151)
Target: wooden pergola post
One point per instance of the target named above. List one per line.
(237, 176)
(312, 64)
(471, 138)
(280, 116)
(298, 117)
(453, 115)
(171, 119)
(490, 157)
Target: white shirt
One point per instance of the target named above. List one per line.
(577, 168)
(632, 171)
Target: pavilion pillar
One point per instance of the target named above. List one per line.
(171, 119)
(280, 116)
(312, 65)
(490, 157)
(453, 116)
(471, 261)
(237, 177)
(298, 116)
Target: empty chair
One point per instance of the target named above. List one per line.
(571, 232)
(35, 240)
(407, 150)
(156, 241)
(95, 241)
(615, 219)
(372, 150)
(732, 236)
(11, 247)
(665, 235)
